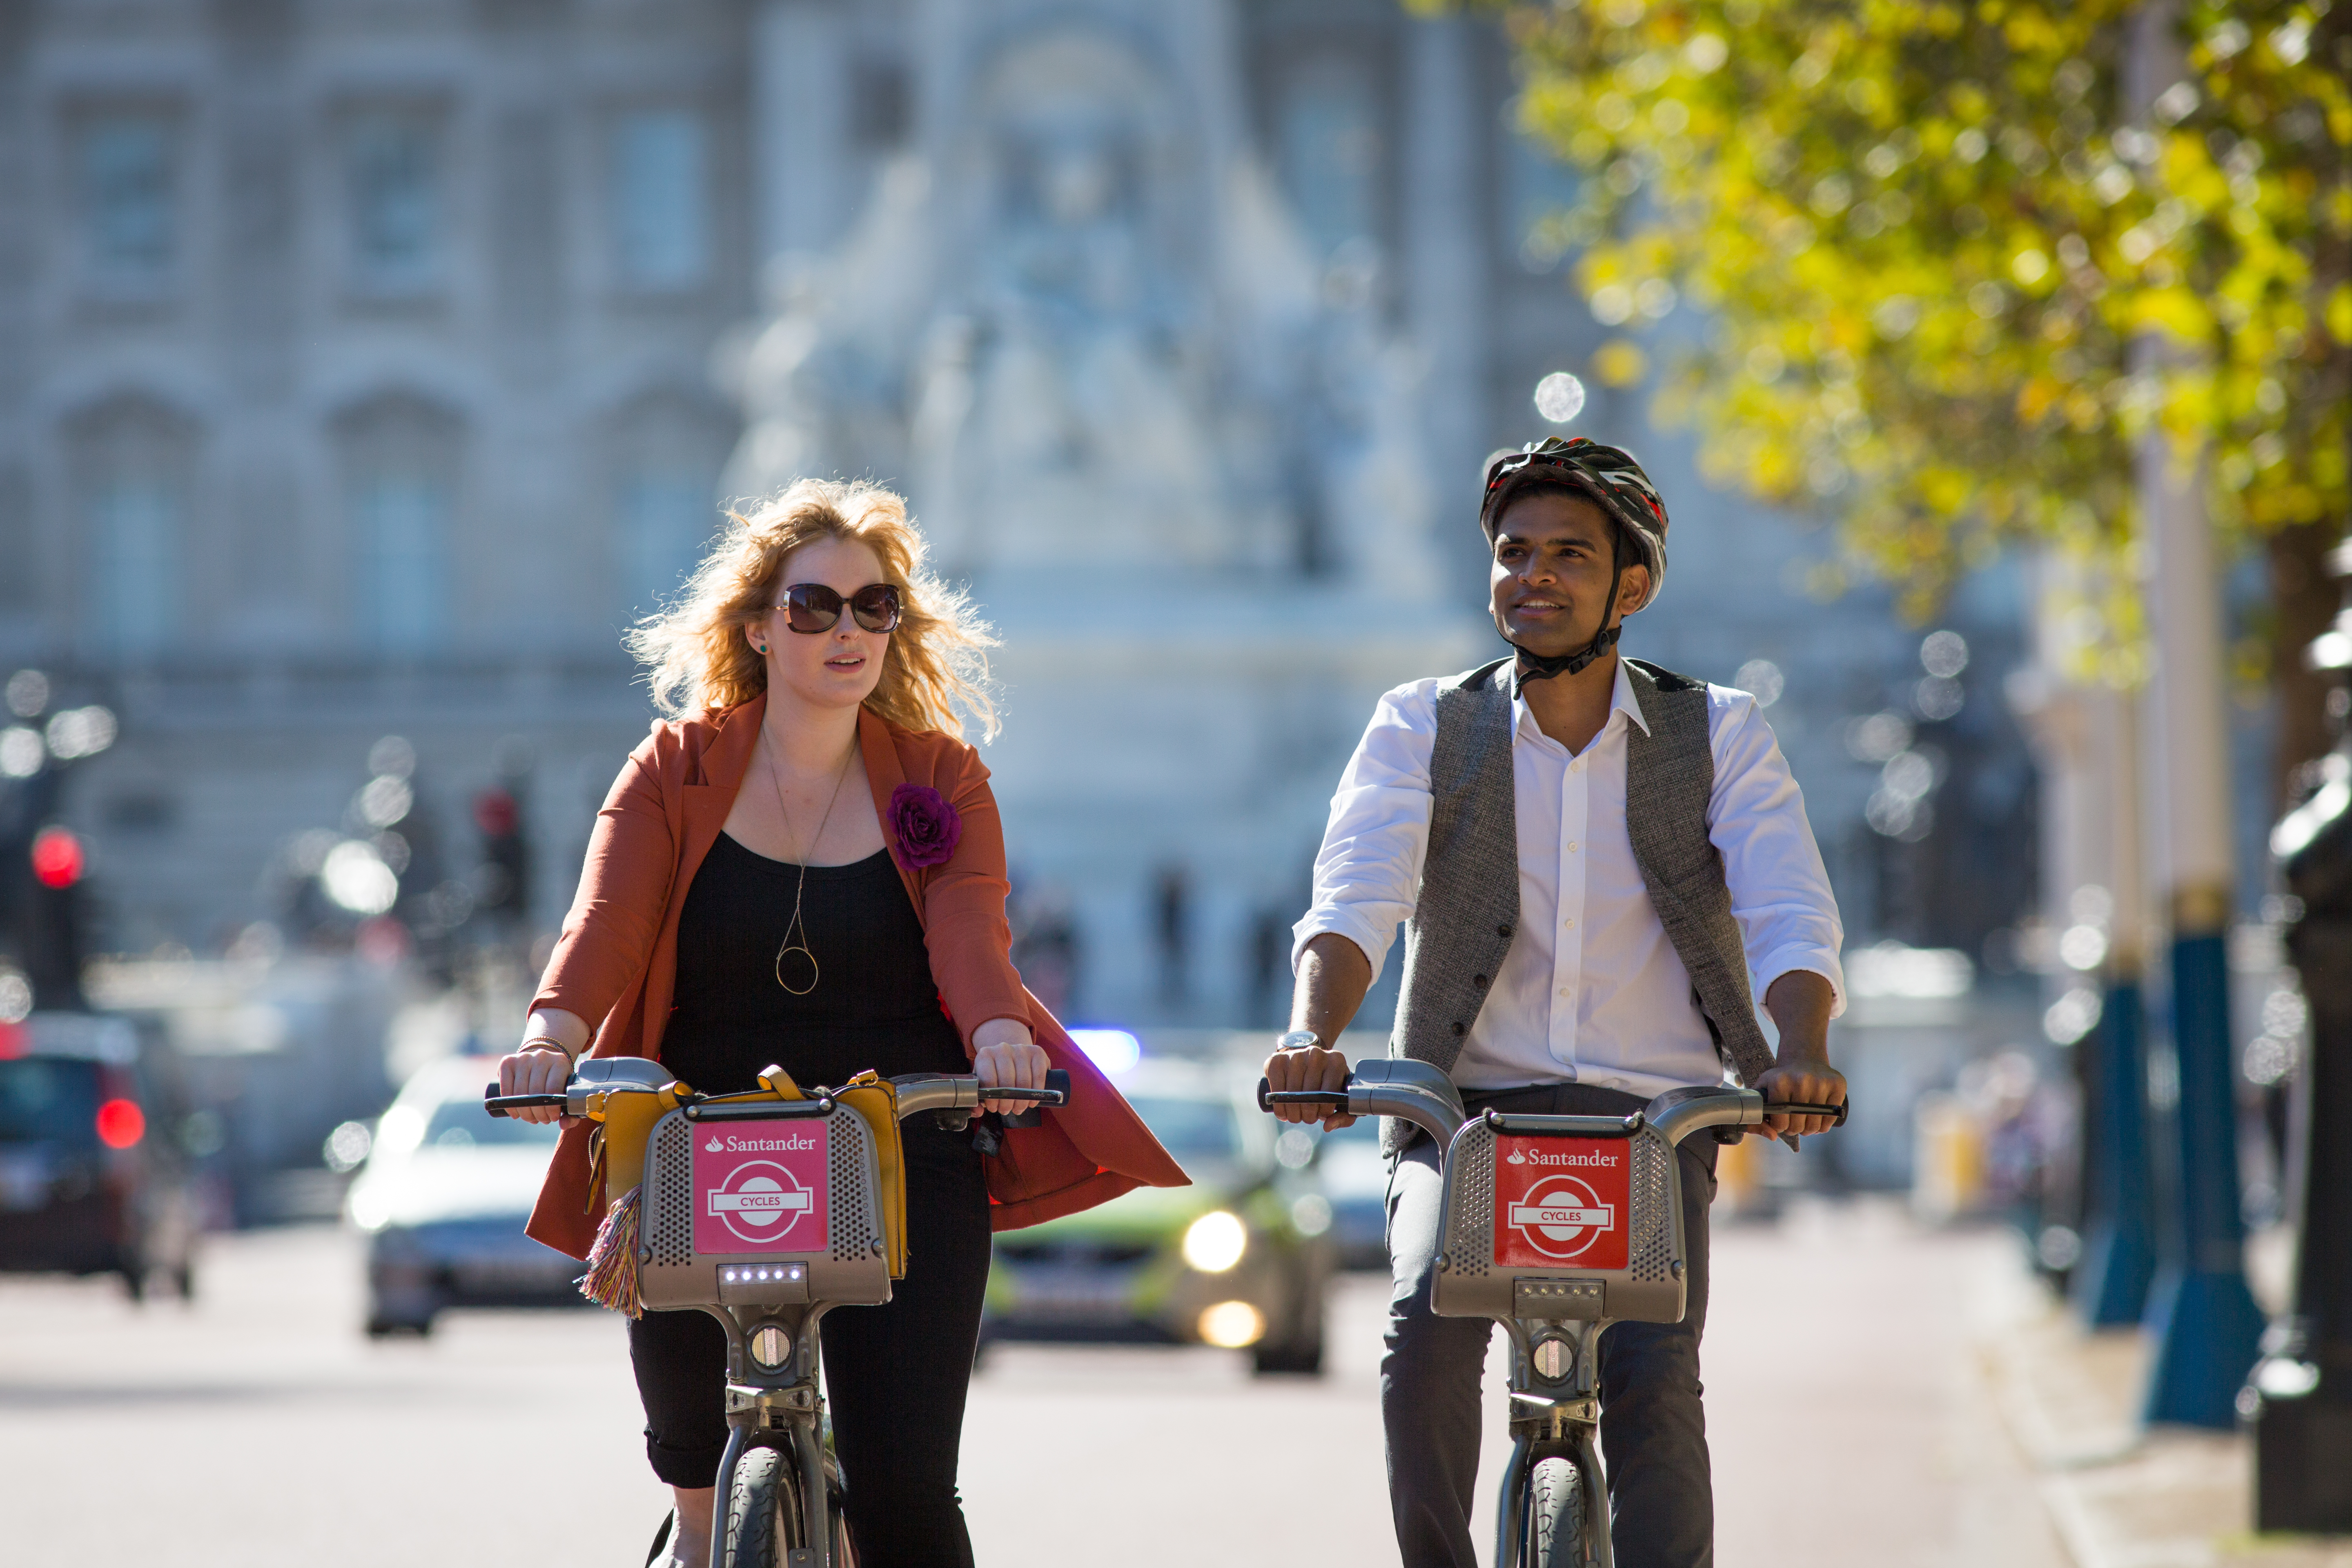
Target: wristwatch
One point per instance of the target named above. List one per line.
(1298, 1041)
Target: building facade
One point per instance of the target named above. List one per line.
(365, 365)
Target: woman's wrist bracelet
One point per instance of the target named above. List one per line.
(569, 1054)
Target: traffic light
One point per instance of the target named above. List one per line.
(51, 937)
(502, 885)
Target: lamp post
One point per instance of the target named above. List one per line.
(2299, 1400)
(2202, 1315)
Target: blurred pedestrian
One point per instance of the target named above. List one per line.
(1658, 840)
(804, 865)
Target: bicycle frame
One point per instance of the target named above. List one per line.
(1555, 1227)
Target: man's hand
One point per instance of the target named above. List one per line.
(1805, 1081)
(1799, 1002)
(1316, 1067)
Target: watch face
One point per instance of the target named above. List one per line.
(1298, 1041)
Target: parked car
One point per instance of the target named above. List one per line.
(442, 1199)
(1242, 1258)
(92, 1178)
(1355, 1177)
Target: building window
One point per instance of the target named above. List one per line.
(881, 106)
(1327, 144)
(391, 169)
(668, 451)
(1540, 190)
(134, 464)
(124, 171)
(660, 199)
(665, 516)
(400, 478)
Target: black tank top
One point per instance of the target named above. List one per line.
(874, 1006)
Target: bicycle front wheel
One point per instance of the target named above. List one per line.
(1555, 1514)
(760, 1507)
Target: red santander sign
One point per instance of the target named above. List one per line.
(1561, 1203)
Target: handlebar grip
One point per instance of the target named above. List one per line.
(499, 1104)
(1055, 1092)
(1792, 1107)
(1269, 1096)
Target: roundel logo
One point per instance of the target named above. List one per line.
(760, 1201)
(1561, 1216)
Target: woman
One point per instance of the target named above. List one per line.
(804, 865)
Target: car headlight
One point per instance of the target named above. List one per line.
(1215, 1242)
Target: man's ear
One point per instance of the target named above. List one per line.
(1633, 590)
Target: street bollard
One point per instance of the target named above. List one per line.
(2119, 1249)
(2200, 1313)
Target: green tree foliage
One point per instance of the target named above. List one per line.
(1926, 237)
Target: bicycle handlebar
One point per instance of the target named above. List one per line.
(1417, 1092)
(916, 1092)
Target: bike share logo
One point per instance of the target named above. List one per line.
(1560, 1200)
(761, 1187)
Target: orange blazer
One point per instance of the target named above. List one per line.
(617, 962)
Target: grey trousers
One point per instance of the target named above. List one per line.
(1652, 1425)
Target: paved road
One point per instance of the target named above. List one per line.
(259, 1429)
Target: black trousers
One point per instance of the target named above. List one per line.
(1652, 1422)
(895, 1375)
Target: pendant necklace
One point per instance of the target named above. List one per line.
(776, 777)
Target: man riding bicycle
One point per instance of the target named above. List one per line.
(1594, 860)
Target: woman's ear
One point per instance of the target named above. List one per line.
(757, 636)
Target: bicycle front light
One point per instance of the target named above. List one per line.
(1215, 1242)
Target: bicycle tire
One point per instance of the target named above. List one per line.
(758, 1535)
(1555, 1516)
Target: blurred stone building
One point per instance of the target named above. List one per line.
(365, 365)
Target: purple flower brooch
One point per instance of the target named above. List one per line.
(926, 826)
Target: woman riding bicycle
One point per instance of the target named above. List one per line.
(804, 865)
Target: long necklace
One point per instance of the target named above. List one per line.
(776, 777)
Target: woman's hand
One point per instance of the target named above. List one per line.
(540, 1069)
(1006, 1057)
(551, 1038)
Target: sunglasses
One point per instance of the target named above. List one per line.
(812, 608)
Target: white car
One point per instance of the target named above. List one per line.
(443, 1198)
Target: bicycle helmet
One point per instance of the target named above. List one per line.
(1614, 481)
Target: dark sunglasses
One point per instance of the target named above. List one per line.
(812, 608)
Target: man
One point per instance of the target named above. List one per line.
(1664, 865)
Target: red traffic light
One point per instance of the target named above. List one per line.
(120, 1124)
(496, 813)
(56, 857)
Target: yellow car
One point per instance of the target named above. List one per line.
(1240, 1259)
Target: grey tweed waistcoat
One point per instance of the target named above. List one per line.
(1469, 905)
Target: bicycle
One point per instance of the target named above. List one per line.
(767, 1210)
(1554, 1226)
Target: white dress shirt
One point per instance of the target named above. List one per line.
(1592, 990)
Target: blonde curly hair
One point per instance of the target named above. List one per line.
(697, 658)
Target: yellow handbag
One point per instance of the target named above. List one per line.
(875, 1101)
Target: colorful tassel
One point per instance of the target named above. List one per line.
(612, 1278)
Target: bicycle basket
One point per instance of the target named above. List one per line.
(763, 1203)
(1554, 1225)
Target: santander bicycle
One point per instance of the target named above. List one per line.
(766, 1210)
(1554, 1226)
